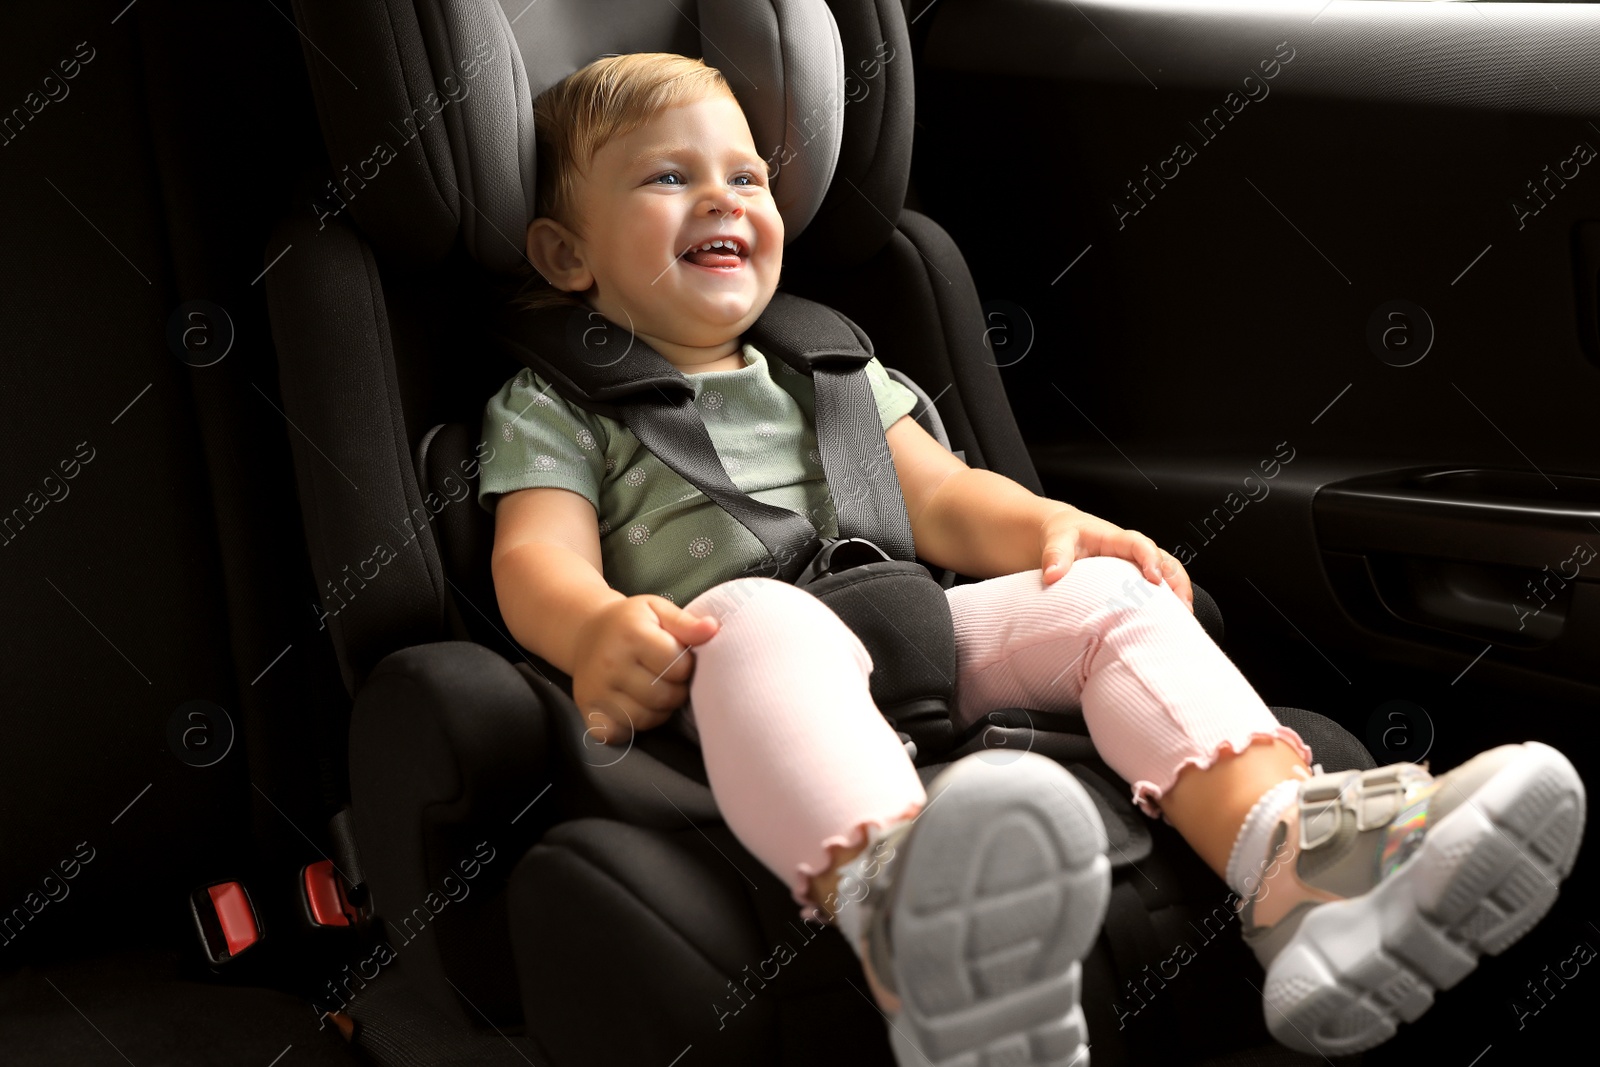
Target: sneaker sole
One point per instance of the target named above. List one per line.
(1003, 890)
(1482, 878)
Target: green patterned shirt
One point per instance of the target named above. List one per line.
(659, 534)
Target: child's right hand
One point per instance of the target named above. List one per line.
(632, 670)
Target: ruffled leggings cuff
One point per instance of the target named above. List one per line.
(1147, 794)
(833, 845)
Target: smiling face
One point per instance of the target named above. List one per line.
(646, 205)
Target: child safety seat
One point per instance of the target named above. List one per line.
(542, 897)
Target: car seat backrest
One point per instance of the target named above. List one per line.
(445, 114)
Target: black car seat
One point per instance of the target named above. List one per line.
(587, 902)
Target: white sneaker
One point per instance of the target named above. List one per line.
(977, 913)
(1396, 882)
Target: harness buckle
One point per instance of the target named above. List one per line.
(840, 554)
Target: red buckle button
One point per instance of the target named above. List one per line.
(326, 902)
(226, 920)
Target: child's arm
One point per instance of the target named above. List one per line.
(982, 524)
(547, 572)
(624, 654)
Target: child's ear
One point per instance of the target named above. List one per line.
(553, 251)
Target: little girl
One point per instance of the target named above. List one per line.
(970, 903)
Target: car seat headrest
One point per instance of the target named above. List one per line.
(427, 109)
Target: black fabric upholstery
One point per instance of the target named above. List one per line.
(143, 1005)
(869, 185)
(397, 1025)
(1210, 616)
(902, 618)
(667, 947)
(1274, 1055)
(411, 207)
(657, 781)
(1334, 747)
(447, 463)
(366, 524)
(916, 301)
(446, 747)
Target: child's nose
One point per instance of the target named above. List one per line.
(725, 203)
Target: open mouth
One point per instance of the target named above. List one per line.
(725, 254)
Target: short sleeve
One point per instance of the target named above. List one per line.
(539, 440)
(894, 399)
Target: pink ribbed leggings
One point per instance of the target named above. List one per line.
(800, 760)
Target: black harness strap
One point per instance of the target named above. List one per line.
(850, 434)
(819, 341)
(674, 432)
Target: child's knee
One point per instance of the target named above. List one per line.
(1107, 574)
(758, 605)
(1115, 582)
(740, 601)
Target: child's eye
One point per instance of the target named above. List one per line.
(748, 179)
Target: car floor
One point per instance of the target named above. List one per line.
(134, 1006)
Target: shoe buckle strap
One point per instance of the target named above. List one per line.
(1381, 797)
(1375, 797)
(1322, 788)
(1321, 807)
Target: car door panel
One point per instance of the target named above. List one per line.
(1213, 235)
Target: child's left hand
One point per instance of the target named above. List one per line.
(1073, 535)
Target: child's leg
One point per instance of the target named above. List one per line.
(1363, 892)
(1157, 694)
(970, 904)
(799, 758)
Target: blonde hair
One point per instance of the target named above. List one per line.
(577, 116)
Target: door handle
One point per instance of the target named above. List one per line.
(1497, 555)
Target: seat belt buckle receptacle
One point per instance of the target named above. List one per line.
(324, 899)
(226, 920)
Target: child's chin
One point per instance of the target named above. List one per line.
(729, 309)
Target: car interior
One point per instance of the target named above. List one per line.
(1309, 292)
